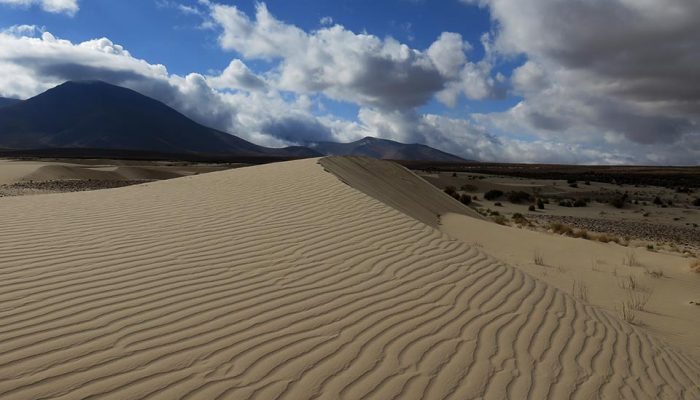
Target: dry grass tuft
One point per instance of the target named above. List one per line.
(655, 273)
(561, 229)
(638, 300)
(580, 291)
(695, 266)
(626, 313)
(631, 260)
(538, 259)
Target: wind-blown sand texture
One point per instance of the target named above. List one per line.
(280, 281)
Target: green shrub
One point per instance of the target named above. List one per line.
(540, 204)
(580, 203)
(493, 194)
(465, 199)
(516, 197)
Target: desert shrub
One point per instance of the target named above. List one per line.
(520, 219)
(454, 174)
(498, 204)
(532, 208)
(580, 203)
(696, 202)
(559, 228)
(619, 201)
(566, 203)
(695, 266)
(493, 194)
(571, 181)
(465, 199)
(588, 183)
(451, 190)
(607, 239)
(540, 204)
(658, 201)
(516, 197)
(499, 219)
(573, 185)
(581, 234)
(468, 188)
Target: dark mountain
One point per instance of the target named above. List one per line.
(4, 101)
(385, 149)
(98, 115)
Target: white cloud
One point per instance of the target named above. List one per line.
(69, 7)
(360, 68)
(620, 72)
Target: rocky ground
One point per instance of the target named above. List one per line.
(687, 236)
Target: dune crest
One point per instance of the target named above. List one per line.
(280, 281)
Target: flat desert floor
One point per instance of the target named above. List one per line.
(282, 281)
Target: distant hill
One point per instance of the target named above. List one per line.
(4, 101)
(98, 115)
(385, 149)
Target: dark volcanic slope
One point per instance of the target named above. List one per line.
(385, 149)
(4, 101)
(103, 116)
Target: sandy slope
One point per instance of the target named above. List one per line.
(604, 270)
(280, 281)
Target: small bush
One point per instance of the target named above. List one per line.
(559, 228)
(498, 204)
(499, 219)
(465, 199)
(468, 188)
(519, 197)
(580, 203)
(493, 194)
(454, 174)
(696, 202)
(607, 239)
(581, 234)
(573, 185)
(451, 190)
(566, 203)
(532, 208)
(658, 201)
(619, 201)
(695, 266)
(540, 204)
(520, 219)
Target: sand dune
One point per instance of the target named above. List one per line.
(280, 281)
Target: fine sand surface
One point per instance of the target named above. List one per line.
(281, 281)
(603, 269)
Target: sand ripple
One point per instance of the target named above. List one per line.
(279, 281)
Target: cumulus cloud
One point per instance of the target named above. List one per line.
(615, 73)
(347, 66)
(69, 7)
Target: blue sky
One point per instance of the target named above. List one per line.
(161, 33)
(494, 80)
